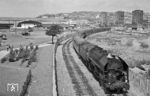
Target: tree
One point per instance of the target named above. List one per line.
(54, 30)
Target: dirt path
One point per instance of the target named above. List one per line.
(42, 74)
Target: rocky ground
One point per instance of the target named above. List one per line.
(65, 86)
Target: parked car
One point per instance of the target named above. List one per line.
(25, 33)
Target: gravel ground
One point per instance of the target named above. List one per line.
(92, 82)
(65, 86)
(65, 83)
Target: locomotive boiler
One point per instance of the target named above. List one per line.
(109, 70)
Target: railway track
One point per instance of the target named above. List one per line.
(79, 80)
(81, 85)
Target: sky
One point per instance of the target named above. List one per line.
(34, 8)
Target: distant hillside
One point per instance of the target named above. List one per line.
(51, 15)
(73, 15)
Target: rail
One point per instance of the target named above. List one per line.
(81, 86)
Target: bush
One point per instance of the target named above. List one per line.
(144, 45)
(4, 59)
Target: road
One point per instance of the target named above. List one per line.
(42, 74)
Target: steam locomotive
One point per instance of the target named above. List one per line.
(109, 70)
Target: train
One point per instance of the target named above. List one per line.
(111, 71)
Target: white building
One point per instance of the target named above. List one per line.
(27, 25)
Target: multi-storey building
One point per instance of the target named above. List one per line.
(146, 20)
(119, 18)
(137, 17)
(127, 18)
(111, 19)
(149, 20)
(103, 18)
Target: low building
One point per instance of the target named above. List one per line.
(30, 23)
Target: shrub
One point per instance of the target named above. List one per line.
(144, 45)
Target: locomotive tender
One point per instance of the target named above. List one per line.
(109, 70)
